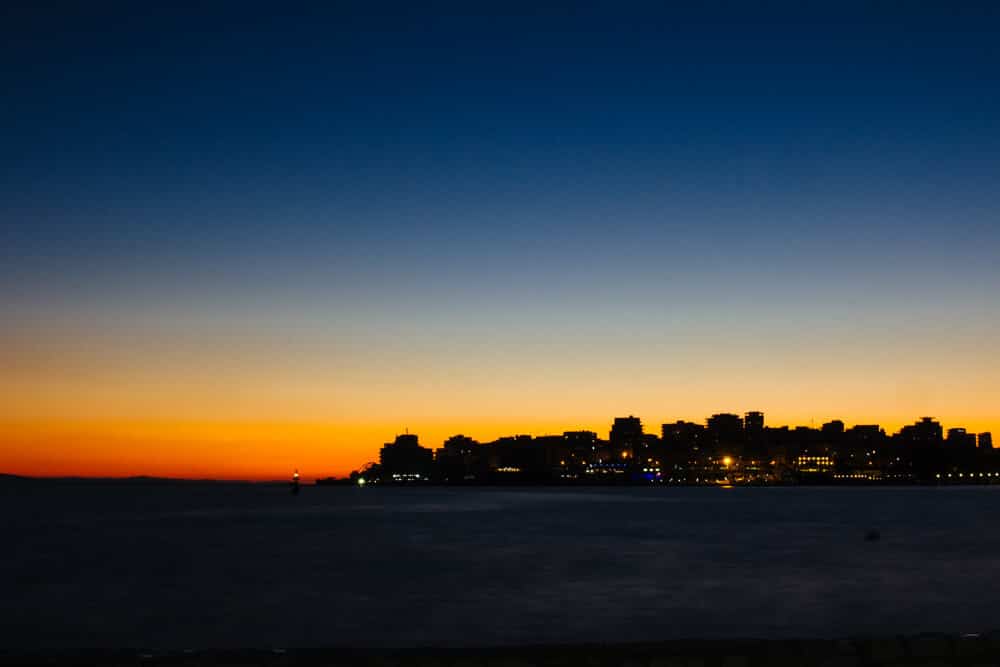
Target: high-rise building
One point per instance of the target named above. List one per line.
(459, 459)
(958, 437)
(753, 423)
(405, 460)
(923, 443)
(682, 440)
(924, 434)
(516, 456)
(681, 432)
(626, 437)
(458, 445)
(625, 428)
(986, 440)
(582, 446)
(725, 429)
(753, 434)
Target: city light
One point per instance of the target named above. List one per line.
(721, 451)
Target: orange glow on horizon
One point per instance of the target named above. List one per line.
(195, 397)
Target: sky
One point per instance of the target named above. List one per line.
(247, 238)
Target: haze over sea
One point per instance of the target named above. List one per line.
(192, 565)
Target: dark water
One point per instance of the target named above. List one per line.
(196, 566)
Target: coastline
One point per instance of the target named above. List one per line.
(514, 484)
(925, 649)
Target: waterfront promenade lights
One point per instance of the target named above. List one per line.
(727, 461)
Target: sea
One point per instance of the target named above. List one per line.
(174, 566)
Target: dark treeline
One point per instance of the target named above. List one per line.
(726, 449)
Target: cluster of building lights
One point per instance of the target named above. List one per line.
(605, 468)
(970, 475)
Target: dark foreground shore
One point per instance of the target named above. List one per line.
(925, 650)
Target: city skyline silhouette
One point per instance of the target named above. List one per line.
(726, 449)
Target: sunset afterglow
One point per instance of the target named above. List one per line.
(214, 276)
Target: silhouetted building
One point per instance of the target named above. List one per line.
(405, 460)
(459, 459)
(682, 434)
(582, 446)
(556, 454)
(986, 441)
(626, 437)
(681, 444)
(753, 423)
(833, 431)
(780, 436)
(924, 434)
(579, 450)
(725, 429)
(753, 433)
(808, 439)
(960, 439)
(516, 458)
(866, 437)
(922, 442)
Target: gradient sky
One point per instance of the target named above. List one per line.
(246, 238)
